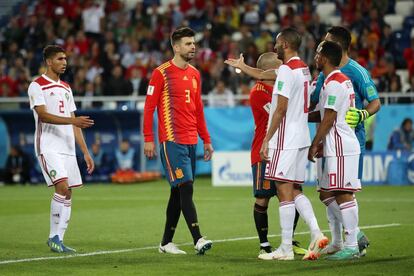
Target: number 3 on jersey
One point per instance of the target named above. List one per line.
(187, 95)
(61, 107)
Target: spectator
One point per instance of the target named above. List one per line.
(100, 159)
(402, 138)
(221, 96)
(125, 156)
(17, 166)
(92, 17)
(117, 84)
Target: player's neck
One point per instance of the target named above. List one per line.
(344, 60)
(327, 69)
(179, 62)
(52, 75)
(289, 55)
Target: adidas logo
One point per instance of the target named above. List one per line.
(185, 78)
(52, 94)
(348, 184)
(281, 174)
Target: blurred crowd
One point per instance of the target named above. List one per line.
(114, 45)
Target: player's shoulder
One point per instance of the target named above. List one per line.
(295, 63)
(192, 68)
(41, 81)
(337, 77)
(355, 71)
(163, 66)
(65, 84)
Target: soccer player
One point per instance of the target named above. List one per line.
(365, 90)
(175, 90)
(340, 145)
(263, 190)
(57, 129)
(286, 146)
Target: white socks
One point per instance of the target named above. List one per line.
(287, 217)
(64, 218)
(60, 209)
(305, 210)
(349, 213)
(55, 213)
(334, 219)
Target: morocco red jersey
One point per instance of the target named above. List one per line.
(176, 93)
(260, 98)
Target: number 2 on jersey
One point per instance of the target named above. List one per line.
(61, 107)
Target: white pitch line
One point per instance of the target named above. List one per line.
(155, 247)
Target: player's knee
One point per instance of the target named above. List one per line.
(262, 201)
(259, 208)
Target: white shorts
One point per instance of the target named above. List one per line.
(287, 165)
(58, 167)
(340, 173)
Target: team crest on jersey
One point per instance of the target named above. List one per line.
(194, 83)
(280, 85)
(52, 174)
(67, 96)
(179, 173)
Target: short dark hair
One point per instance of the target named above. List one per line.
(292, 37)
(342, 36)
(332, 51)
(180, 33)
(51, 50)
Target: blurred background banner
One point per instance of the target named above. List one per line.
(232, 132)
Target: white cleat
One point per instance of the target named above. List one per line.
(278, 254)
(170, 248)
(315, 248)
(202, 246)
(331, 249)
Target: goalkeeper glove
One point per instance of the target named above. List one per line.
(355, 116)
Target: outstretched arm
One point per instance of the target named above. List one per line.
(46, 117)
(251, 71)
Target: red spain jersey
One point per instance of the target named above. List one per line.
(176, 93)
(260, 98)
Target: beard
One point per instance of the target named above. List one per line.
(280, 53)
(187, 57)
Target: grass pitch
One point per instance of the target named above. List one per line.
(116, 230)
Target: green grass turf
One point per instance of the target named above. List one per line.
(114, 217)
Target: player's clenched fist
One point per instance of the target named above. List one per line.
(83, 122)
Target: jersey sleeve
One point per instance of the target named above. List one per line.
(317, 91)
(201, 121)
(285, 82)
(333, 97)
(154, 90)
(72, 105)
(36, 97)
(367, 86)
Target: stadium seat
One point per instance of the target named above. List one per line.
(395, 21)
(404, 8)
(325, 11)
(283, 8)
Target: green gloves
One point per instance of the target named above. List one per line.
(355, 116)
